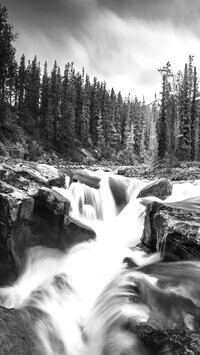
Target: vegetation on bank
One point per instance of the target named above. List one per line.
(70, 114)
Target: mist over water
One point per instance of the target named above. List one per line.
(84, 300)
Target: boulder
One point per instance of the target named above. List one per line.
(87, 177)
(119, 192)
(172, 231)
(17, 174)
(32, 213)
(168, 341)
(14, 336)
(161, 188)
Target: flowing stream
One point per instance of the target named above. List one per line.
(78, 302)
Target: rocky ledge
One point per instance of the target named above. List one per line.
(33, 213)
(172, 231)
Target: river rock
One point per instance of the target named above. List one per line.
(32, 213)
(118, 188)
(17, 174)
(168, 341)
(87, 177)
(172, 231)
(14, 337)
(161, 188)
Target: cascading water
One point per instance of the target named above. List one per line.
(84, 300)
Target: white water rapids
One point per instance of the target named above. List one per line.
(78, 302)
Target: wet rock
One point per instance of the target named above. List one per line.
(119, 192)
(172, 231)
(74, 232)
(168, 341)
(88, 178)
(19, 175)
(14, 337)
(32, 213)
(161, 188)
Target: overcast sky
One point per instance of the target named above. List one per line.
(120, 41)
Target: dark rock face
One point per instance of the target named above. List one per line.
(87, 178)
(32, 213)
(168, 342)
(119, 192)
(172, 231)
(162, 188)
(14, 338)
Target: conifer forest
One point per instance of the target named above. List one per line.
(67, 109)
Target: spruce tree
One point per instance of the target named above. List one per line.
(86, 116)
(79, 102)
(67, 128)
(7, 60)
(195, 128)
(185, 119)
(162, 126)
(44, 105)
(153, 140)
(111, 132)
(22, 87)
(119, 112)
(137, 117)
(195, 120)
(128, 135)
(55, 95)
(94, 110)
(101, 137)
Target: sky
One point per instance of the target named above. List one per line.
(123, 42)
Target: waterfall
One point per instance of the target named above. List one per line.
(84, 300)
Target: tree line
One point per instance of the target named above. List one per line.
(178, 127)
(67, 110)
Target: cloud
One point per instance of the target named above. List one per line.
(121, 42)
(179, 11)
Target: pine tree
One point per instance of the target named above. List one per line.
(185, 119)
(30, 107)
(94, 110)
(67, 128)
(128, 136)
(153, 140)
(101, 137)
(55, 95)
(35, 90)
(44, 105)
(190, 75)
(7, 60)
(85, 116)
(137, 117)
(111, 133)
(105, 99)
(162, 126)
(195, 120)
(195, 128)
(22, 87)
(145, 130)
(79, 97)
(119, 112)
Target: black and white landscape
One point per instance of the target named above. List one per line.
(99, 177)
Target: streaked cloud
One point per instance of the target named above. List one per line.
(121, 42)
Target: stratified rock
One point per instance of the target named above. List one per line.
(172, 230)
(92, 179)
(17, 174)
(87, 177)
(14, 338)
(31, 213)
(119, 192)
(161, 188)
(74, 232)
(168, 342)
